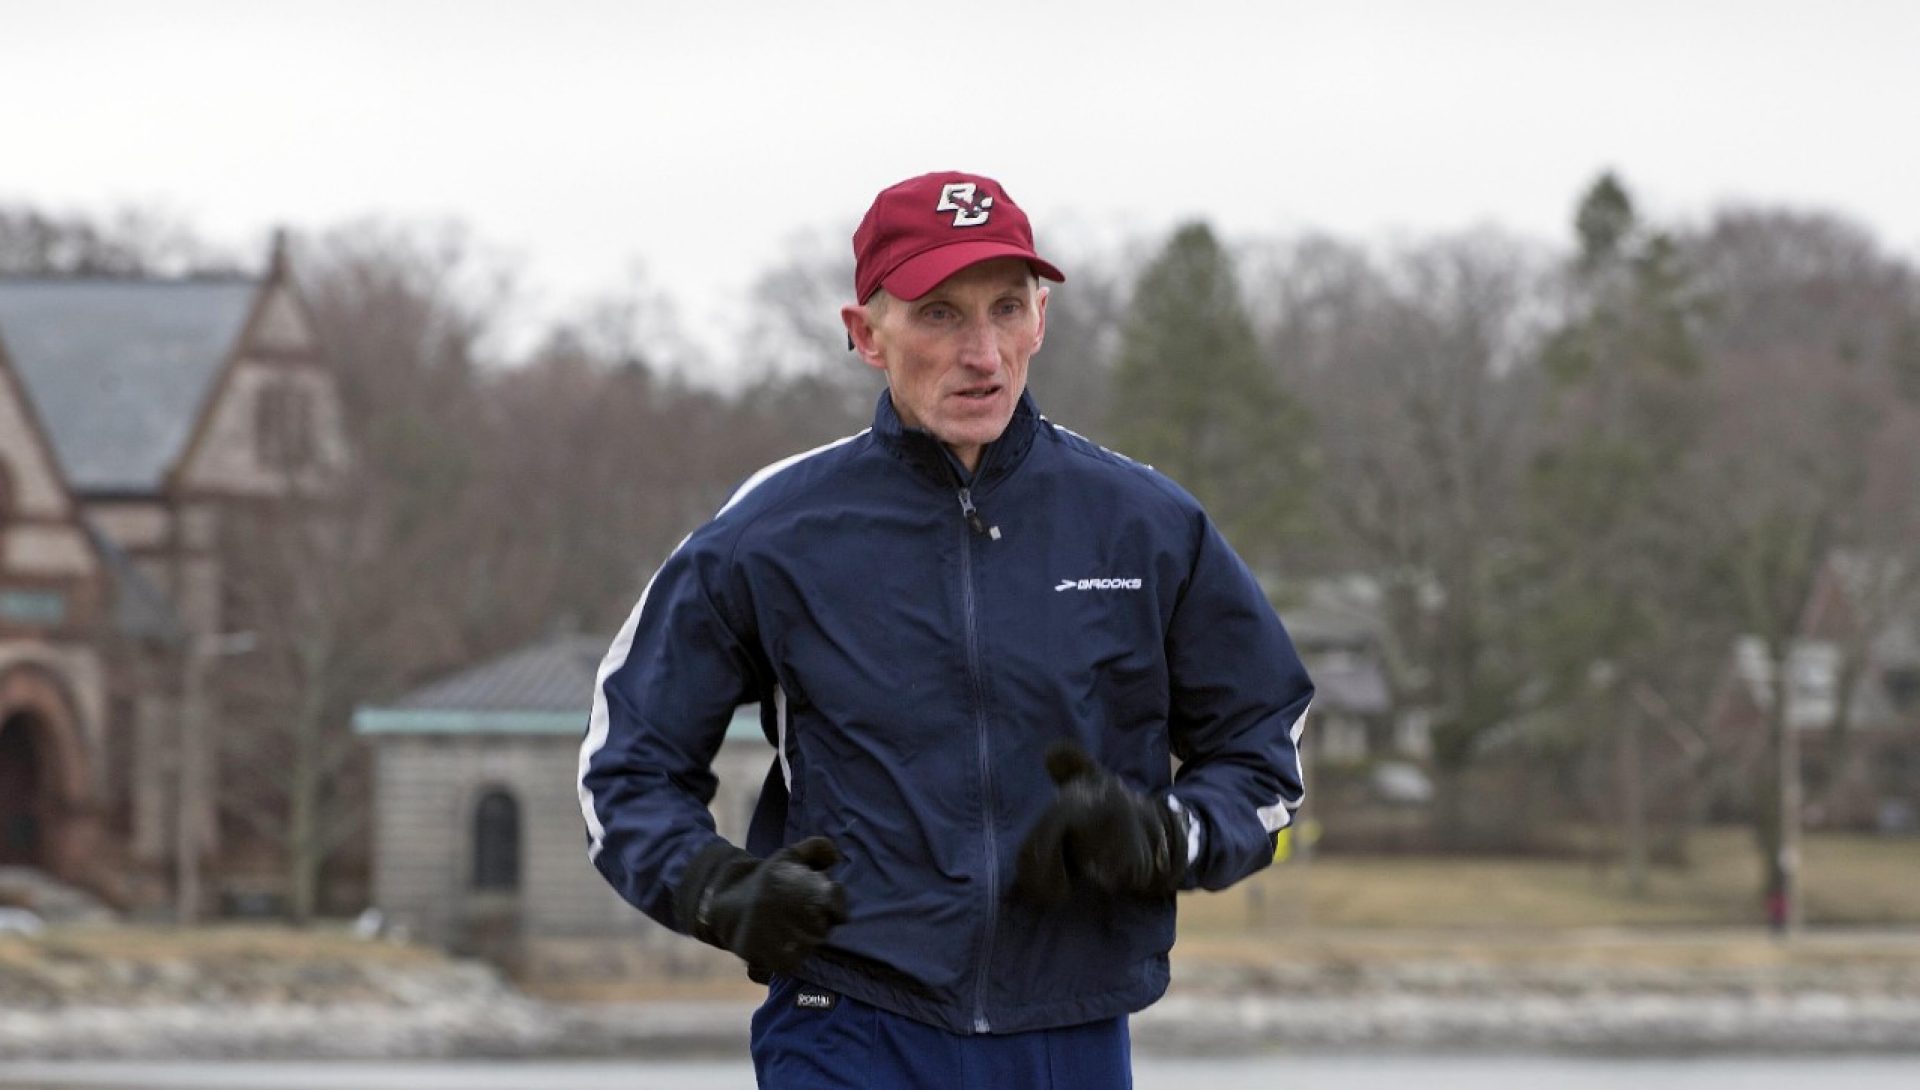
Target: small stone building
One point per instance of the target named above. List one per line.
(479, 841)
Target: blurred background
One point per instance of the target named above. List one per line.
(1558, 371)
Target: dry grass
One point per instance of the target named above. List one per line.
(1850, 881)
(218, 944)
(1863, 906)
(1687, 950)
(734, 986)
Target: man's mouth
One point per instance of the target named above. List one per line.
(977, 393)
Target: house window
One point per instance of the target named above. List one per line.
(35, 607)
(1903, 687)
(283, 433)
(496, 842)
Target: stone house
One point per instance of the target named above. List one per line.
(135, 414)
(479, 840)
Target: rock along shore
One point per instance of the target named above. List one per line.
(1589, 998)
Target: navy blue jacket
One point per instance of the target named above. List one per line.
(916, 642)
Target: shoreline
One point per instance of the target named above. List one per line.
(510, 1026)
(1178, 1027)
(1598, 994)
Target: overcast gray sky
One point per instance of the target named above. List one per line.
(697, 137)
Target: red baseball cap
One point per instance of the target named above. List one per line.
(925, 229)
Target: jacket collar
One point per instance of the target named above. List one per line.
(920, 450)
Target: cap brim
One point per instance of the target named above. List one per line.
(920, 273)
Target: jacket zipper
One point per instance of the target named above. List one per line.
(972, 514)
(978, 526)
(980, 1023)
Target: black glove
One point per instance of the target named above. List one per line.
(773, 912)
(1099, 835)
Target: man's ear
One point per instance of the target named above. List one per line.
(1040, 302)
(861, 335)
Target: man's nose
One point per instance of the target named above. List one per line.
(979, 348)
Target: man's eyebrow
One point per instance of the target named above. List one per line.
(1020, 285)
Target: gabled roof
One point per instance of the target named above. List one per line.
(1813, 684)
(546, 688)
(119, 369)
(1865, 577)
(1341, 611)
(1348, 681)
(1338, 628)
(555, 675)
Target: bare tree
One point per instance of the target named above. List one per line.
(1808, 328)
(289, 776)
(1072, 375)
(1414, 367)
(350, 581)
(409, 317)
(127, 242)
(793, 345)
(594, 471)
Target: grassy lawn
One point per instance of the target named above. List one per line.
(1863, 908)
(1850, 881)
(214, 945)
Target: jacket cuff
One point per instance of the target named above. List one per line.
(712, 865)
(1192, 829)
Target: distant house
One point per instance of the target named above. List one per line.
(135, 414)
(1857, 659)
(56, 598)
(1340, 634)
(479, 840)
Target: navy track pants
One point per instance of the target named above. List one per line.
(807, 1038)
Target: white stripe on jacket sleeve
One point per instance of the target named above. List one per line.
(598, 720)
(1280, 815)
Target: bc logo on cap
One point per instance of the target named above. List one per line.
(957, 197)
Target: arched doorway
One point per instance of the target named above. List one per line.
(490, 926)
(496, 843)
(46, 810)
(23, 799)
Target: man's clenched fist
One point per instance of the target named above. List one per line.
(773, 912)
(1097, 834)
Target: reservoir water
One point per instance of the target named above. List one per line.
(1150, 1073)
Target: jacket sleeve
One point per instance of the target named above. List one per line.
(1239, 700)
(661, 704)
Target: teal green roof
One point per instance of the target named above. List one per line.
(745, 723)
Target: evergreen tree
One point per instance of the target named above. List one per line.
(1613, 513)
(1193, 397)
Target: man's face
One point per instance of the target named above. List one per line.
(956, 358)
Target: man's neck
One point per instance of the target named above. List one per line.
(969, 456)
